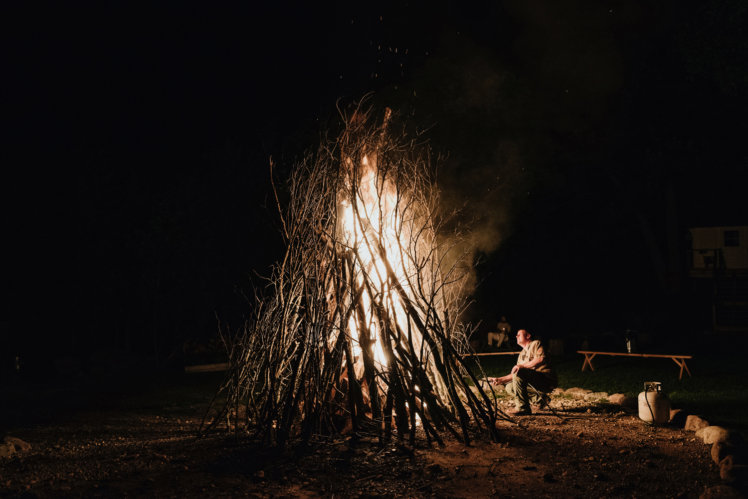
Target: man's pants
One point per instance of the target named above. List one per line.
(529, 385)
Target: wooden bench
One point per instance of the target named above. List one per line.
(207, 368)
(489, 354)
(678, 359)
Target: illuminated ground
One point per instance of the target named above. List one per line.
(143, 444)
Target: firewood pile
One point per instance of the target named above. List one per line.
(358, 329)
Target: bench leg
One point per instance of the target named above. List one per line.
(588, 361)
(682, 364)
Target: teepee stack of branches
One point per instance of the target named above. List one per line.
(358, 329)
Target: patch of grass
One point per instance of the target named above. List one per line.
(716, 391)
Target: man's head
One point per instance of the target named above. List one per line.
(523, 337)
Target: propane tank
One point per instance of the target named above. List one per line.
(654, 406)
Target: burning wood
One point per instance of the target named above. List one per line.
(360, 329)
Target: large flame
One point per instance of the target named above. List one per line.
(373, 226)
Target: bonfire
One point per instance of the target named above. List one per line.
(359, 328)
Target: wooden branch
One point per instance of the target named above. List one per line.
(292, 370)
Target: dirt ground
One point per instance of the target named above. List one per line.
(585, 450)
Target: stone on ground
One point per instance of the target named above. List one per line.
(736, 449)
(617, 398)
(6, 449)
(694, 423)
(19, 444)
(731, 472)
(595, 396)
(13, 445)
(720, 450)
(623, 400)
(577, 392)
(712, 434)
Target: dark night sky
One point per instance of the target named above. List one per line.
(582, 137)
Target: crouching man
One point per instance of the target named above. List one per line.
(532, 379)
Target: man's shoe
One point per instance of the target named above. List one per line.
(545, 400)
(542, 403)
(520, 412)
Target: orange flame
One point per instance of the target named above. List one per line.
(371, 222)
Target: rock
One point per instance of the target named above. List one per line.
(711, 434)
(13, 445)
(731, 472)
(617, 398)
(719, 451)
(577, 392)
(722, 449)
(19, 444)
(677, 418)
(725, 468)
(623, 400)
(694, 423)
(721, 492)
(595, 396)
(7, 450)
